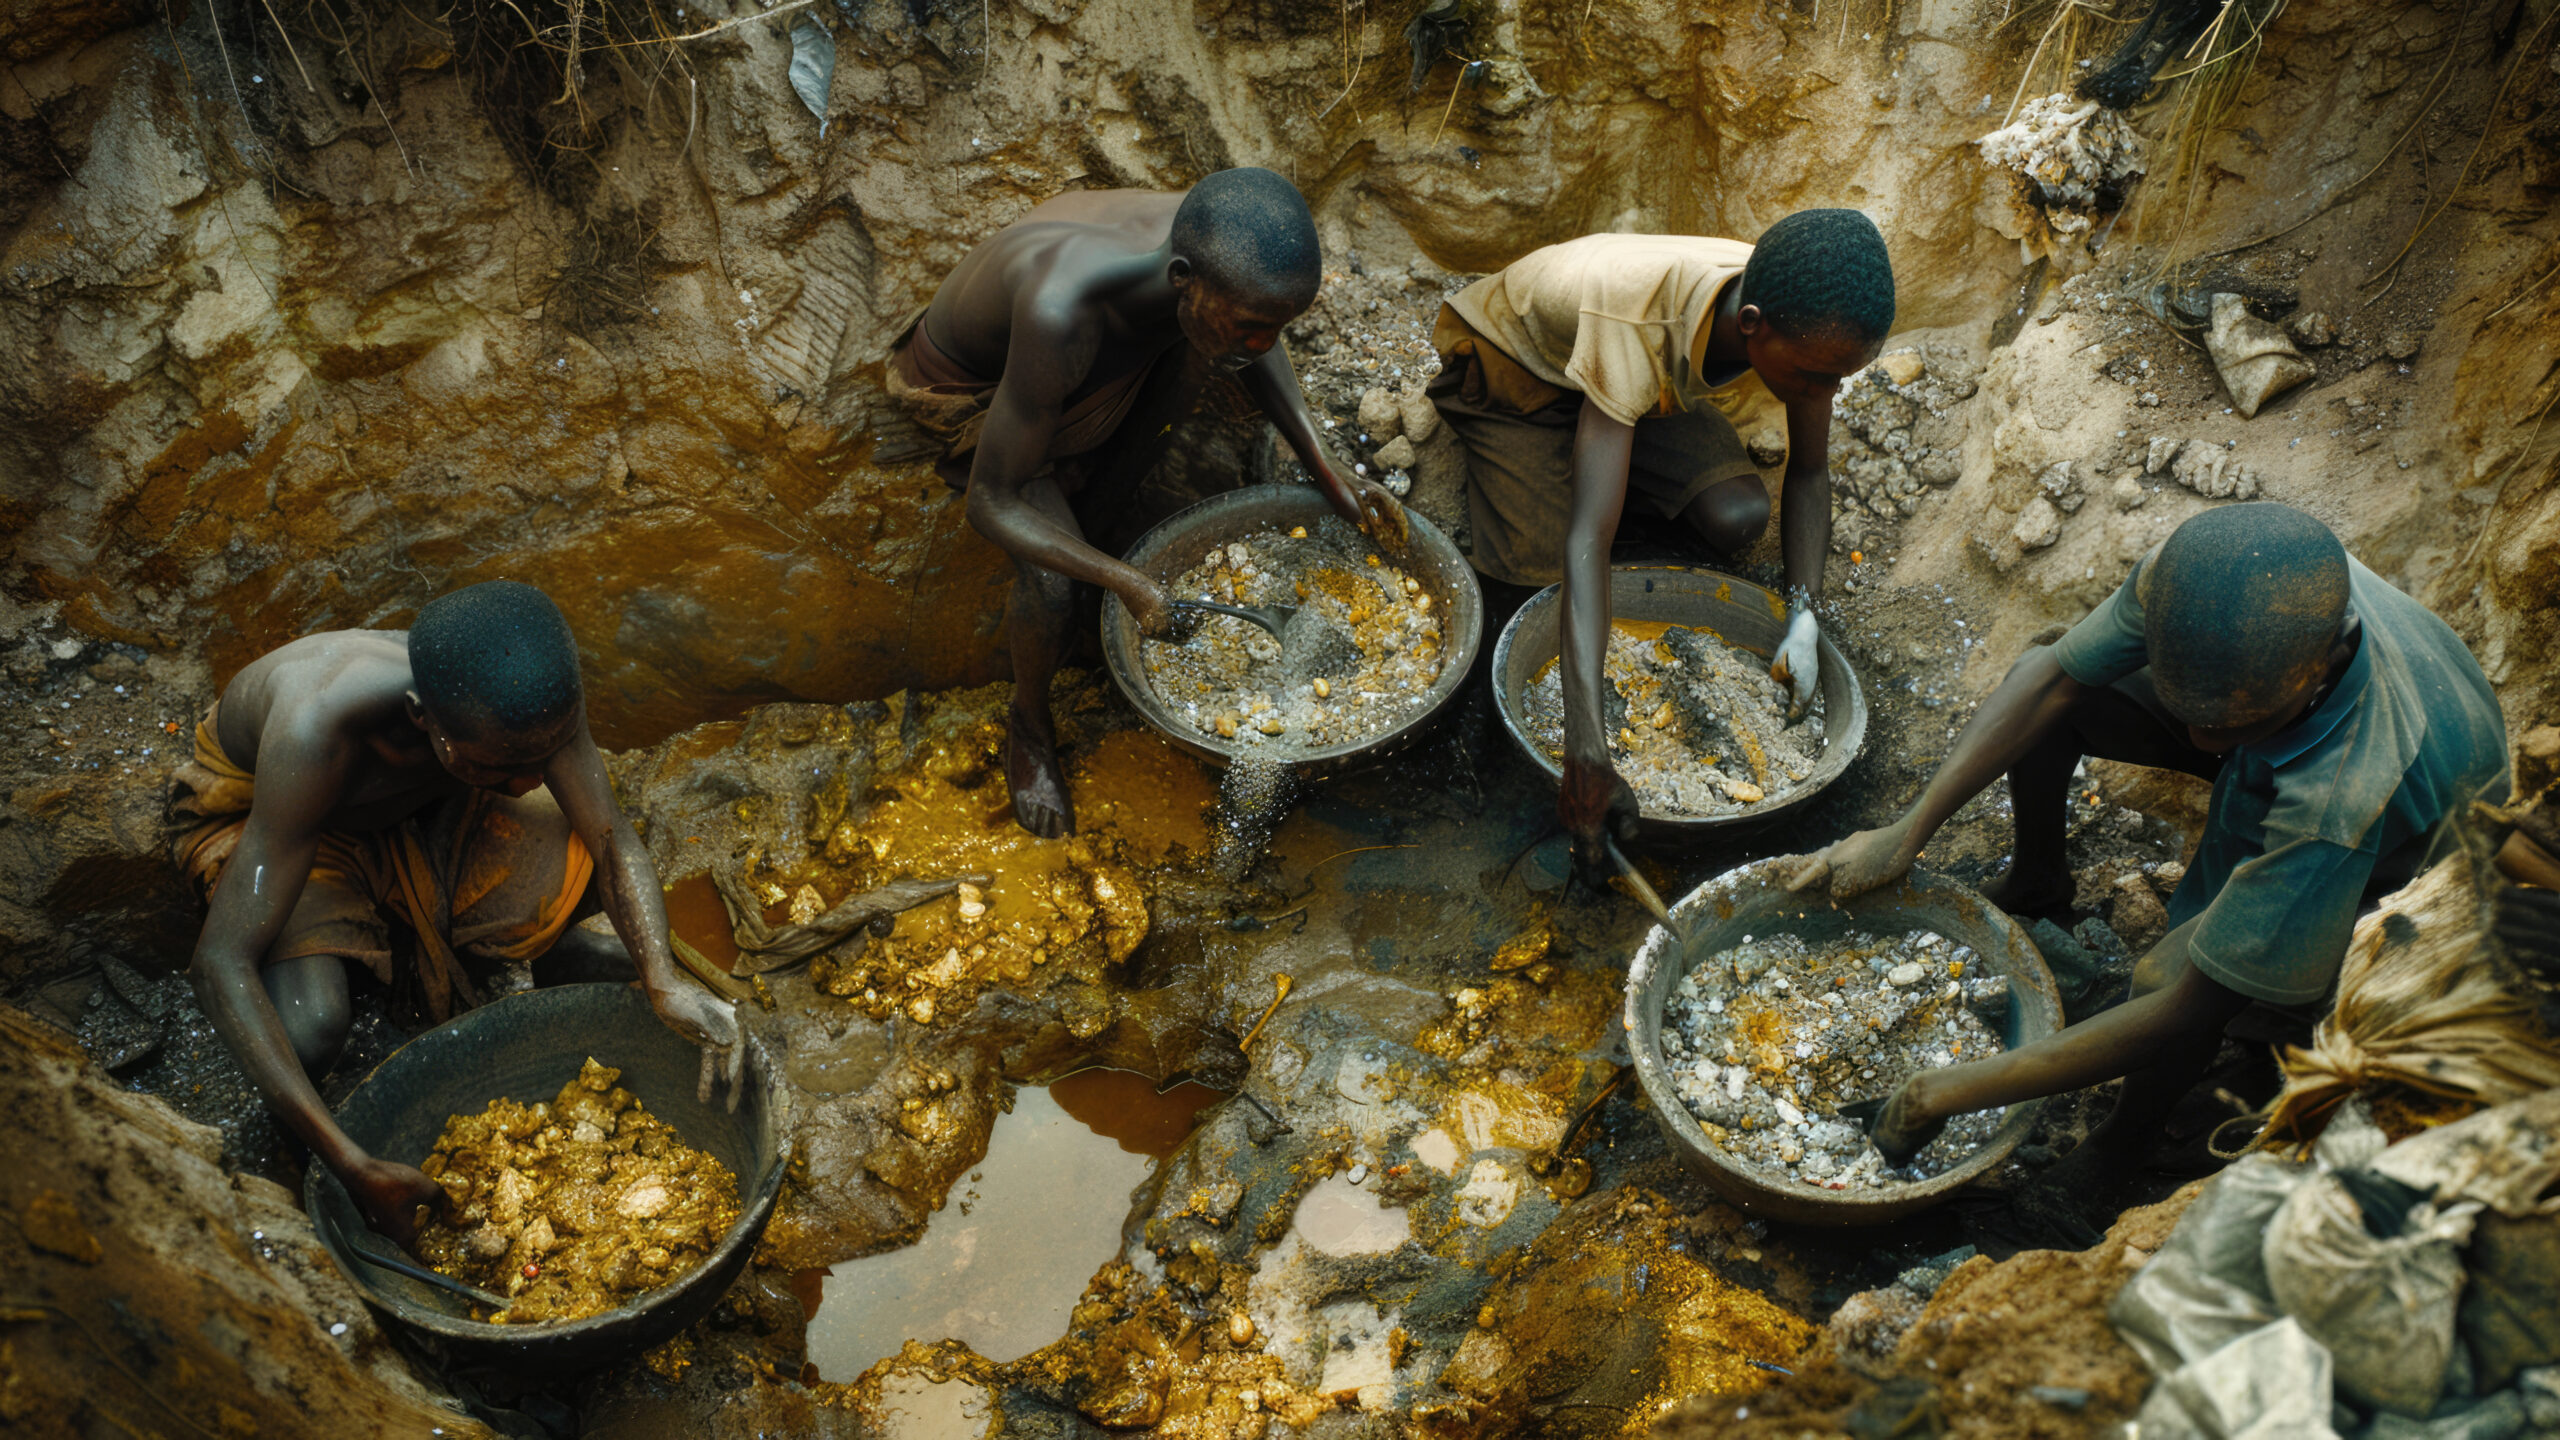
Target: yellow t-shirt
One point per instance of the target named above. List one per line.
(1617, 317)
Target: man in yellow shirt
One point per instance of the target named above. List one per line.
(1592, 371)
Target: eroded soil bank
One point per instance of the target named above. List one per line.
(319, 310)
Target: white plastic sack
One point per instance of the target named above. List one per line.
(2208, 1285)
(2271, 1384)
(2383, 1308)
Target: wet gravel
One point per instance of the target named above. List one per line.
(1767, 1040)
(1361, 655)
(1696, 727)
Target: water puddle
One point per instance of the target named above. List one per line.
(915, 1408)
(1000, 1267)
(697, 916)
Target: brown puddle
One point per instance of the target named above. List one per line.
(1000, 1267)
(698, 917)
(1123, 1105)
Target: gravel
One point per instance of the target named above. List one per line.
(1696, 726)
(1765, 1042)
(1363, 650)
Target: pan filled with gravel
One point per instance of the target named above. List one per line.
(1377, 646)
(1694, 723)
(1782, 1009)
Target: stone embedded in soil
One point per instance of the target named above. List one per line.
(1765, 1041)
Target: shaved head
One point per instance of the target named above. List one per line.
(2240, 608)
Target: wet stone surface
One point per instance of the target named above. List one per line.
(1766, 1041)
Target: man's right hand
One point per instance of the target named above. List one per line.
(1865, 861)
(1595, 804)
(1159, 618)
(389, 1193)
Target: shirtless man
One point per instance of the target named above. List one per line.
(1589, 376)
(2340, 722)
(1041, 347)
(355, 772)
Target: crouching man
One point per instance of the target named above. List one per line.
(2339, 721)
(1050, 367)
(443, 779)
(1587, 376)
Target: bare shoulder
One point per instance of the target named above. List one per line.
(310, 694)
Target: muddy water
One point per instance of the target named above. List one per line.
(698, 916)
(1001, 1266)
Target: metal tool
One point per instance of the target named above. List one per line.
(1645, 893)
(1270, 617)
(378, 1252)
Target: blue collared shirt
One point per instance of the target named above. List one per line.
(2410, 735)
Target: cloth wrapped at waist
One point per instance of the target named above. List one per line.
(949, 402)
(449, 872)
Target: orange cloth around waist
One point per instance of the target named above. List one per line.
(431, 872)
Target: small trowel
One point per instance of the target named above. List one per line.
(378, 1252)
(1273, 618)
(1645, 892)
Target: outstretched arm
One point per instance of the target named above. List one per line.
(1273, 385)
(1051, 351)
(260, 885)
(2031, 699)
(1804, 541)
(636, 904)
(1594, 800)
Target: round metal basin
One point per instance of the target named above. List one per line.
(1181, 542)
(525, 1047)
(1754, 900)
(1749, 616)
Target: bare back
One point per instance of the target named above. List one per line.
(1069, 246)
(332, 710)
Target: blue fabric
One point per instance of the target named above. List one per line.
(2411, 734)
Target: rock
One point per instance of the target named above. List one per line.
(2061, 1397)
(1421, 417)
(1902, 367)
(2311, 327)
(2137, 914)
(2162, 453)
(2256, 361)
(2039, 525)
(1396, 454)
(2401, 344)
(1909, 972)
(2166, 878)
(2128, 493)
(1381, 415)
(1943, 468)
(2210, 472)
(1768, 446)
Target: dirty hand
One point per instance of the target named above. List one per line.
(389, 1193)
(1160, 618)
(712, 1023)
(1863, 862)
(1798, 663)
(1380, 514)
(1594, 803)
(1897, 1125)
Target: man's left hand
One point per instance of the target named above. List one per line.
(1375, 509)
(1798, 663)
(712, 1023)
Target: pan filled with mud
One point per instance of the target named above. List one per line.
(1695, 725)
(1371, 650)
(1783, 1010)
(595, 1204)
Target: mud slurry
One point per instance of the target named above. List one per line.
(1319, 1253)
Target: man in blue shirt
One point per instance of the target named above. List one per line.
(2339, 721)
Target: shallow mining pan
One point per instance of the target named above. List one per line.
(1166, 552)
(1751, 617)
(1753, 899)
(525, 1047)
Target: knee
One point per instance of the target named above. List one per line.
(1732, 515)
(310, 998)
